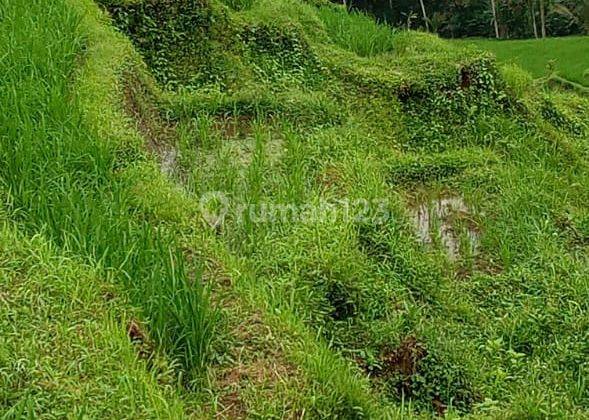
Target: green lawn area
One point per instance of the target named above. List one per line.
(571, 55)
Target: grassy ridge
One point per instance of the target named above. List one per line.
(357, 32)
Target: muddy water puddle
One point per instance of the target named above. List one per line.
(448, 221)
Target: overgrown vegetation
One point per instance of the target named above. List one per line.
(346, 221)
(65, 349)
(567, 57)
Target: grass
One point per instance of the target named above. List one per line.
(319, 294)
(356, 32)
(567, 56)
(239, 4)
(61, 181)
(64, 348)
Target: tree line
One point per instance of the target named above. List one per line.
(484, 18)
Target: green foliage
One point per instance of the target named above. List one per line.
(305, 109)
(239, 4)
(165, 34)
(459, 19)
(518, 80)
(61, 314)
(279, 53)
(454, 109)
(434, 382)
(420, 169)
(556, 117)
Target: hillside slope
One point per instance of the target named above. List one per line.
(271, 208)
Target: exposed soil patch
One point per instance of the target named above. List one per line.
(230, 127)
(231, 407)
(479, 264)
(139, 339)
(465, 78)
(569, 228)
(403, 359)
(439, 406)
(135, 333)
(331, 178)
(160, 134)
(257, 363)
(413, 371)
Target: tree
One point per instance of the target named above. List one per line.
(482, 18)
(542, 19)
(495, 23)
(533, 13)
(425, 19)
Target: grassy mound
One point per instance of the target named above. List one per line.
(313, 215)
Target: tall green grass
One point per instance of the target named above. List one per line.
(239, 4)
(61, 177)
(356, 32)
